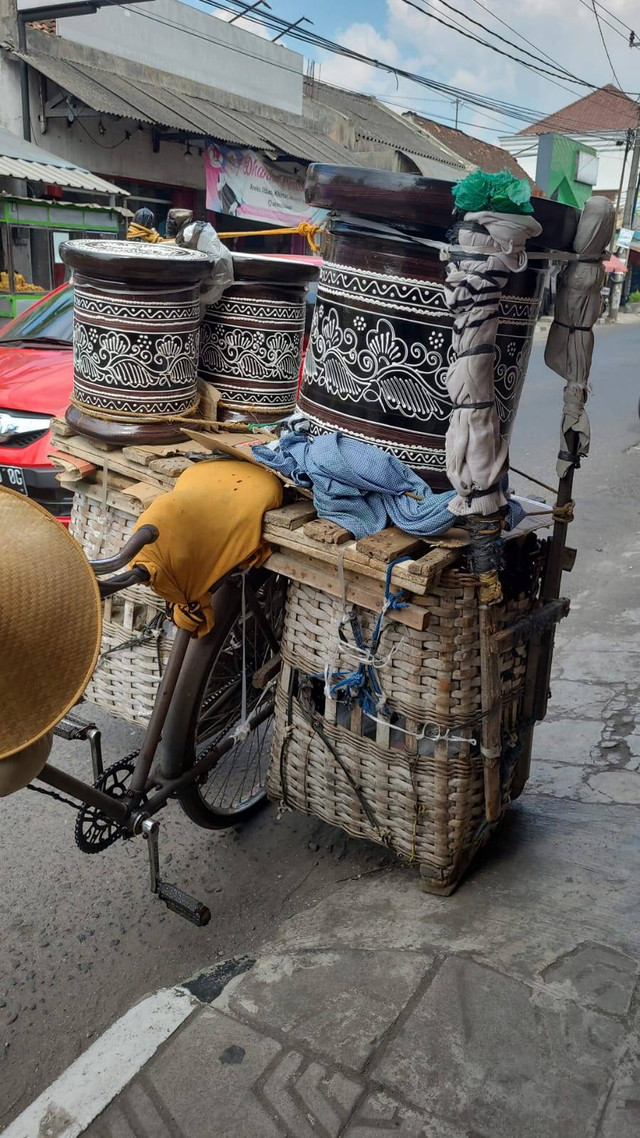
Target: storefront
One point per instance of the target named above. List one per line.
(45, 200)
(31, 232)
(247, 191)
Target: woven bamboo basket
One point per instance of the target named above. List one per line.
(416, 780)
(136, 639)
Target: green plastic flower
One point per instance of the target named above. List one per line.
(502, 193)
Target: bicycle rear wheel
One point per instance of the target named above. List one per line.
(212, 713)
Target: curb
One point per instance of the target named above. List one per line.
(71, 1103)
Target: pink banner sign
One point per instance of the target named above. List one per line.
(243, 184)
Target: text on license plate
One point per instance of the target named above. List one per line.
(13, 478)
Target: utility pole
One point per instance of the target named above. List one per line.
(627, 223)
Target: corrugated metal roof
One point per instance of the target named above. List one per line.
(180, 110)
(112, 94)
(432, 169)
(302, 142)
(376, 123)
(25, 160)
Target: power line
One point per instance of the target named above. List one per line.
(586, 4)
(492, 47)
(557, 66)
(471, 98)
(522, 62)
(515, 32)
(604, 43)
(613, 16)
(509, 110)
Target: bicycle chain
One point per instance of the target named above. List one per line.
(53, 794)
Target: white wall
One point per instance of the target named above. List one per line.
(10, 96)
(226, 56)
(133, 158)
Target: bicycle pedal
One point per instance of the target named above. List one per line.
(72, 727)
(183, 904)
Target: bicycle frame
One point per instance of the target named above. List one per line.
(148, 794)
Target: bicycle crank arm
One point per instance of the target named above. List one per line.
(174, 898)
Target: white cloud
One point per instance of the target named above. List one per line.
(567, 32)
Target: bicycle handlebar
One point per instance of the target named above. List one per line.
(144, 536)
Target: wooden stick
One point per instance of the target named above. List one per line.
(552, 582)
(491, 715)
(360, 592)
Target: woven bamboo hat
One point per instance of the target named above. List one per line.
(49, 633)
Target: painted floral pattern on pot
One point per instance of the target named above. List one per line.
(135, 351)
(378, 356)
(250, 349)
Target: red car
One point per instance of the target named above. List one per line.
(36, 377)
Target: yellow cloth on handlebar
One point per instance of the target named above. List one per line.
(208, 524)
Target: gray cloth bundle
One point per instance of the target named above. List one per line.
(578, 305)
(476, 454)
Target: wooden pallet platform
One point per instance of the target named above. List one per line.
(305, 547)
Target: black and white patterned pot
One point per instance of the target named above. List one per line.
(380, 343)
(135, 328)
(251, 340)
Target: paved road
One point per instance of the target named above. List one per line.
(82, 939)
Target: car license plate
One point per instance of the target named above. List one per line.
(13, 478)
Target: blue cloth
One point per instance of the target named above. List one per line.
(360, 486)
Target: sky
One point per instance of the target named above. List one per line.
(395, 32)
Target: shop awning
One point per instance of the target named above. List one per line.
(25, 160)
(192, 109)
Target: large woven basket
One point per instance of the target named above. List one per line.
(417, 781)
(136, 639)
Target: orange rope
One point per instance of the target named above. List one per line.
(304, 229)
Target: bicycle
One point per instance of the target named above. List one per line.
(207, 740)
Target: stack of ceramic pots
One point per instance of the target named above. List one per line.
(251, 340)
(135, 338)
(380, 343)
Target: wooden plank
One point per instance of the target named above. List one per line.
(209, 400)
(491, 730)
(432, 564)
(79, 447)
(116, 498)
(539, 620)
(290, 517)
(326, 532)
(241, 448)
(75, 469)
(144, 493)
(455, 536)
(145, 454)
(61, 428)
(366, 596)
(238, 445)
(388, 544)
(353, 562)
(173, 467)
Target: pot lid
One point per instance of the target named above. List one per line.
(135, 261)
(417, 203)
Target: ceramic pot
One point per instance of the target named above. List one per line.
(380, 342)
(135, 337)
(251, 340)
